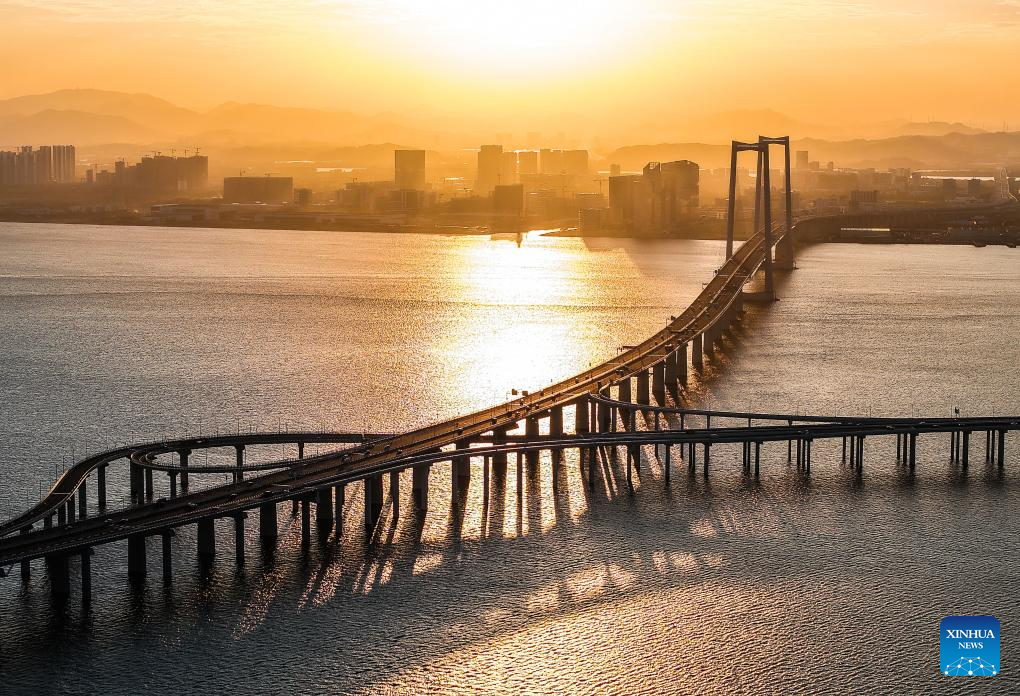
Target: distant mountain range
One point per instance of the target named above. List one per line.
(96, 117)
(93, 117)
(122, 124)
(981, 149)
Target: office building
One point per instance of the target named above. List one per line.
(508, 168)
(575, 162)
(551, 161)
(409, 169)
(658, 201)
(490, 166)
(527, 162)
(803, 160)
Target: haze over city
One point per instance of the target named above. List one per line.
(620, 71)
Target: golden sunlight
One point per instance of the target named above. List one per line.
(502, 36)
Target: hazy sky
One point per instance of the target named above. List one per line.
(818, 60)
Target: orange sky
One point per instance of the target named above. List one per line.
(825, 60)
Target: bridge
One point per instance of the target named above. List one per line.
(614, 409)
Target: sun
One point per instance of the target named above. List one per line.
(517, 35)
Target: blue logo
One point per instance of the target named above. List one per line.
(969, 646)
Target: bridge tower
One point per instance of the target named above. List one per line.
(763, 203)
(785, 249)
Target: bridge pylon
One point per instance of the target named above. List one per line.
(785, 249)
(763, 204)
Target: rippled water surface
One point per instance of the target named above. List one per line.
(834, 584)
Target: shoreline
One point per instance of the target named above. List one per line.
(440, 230)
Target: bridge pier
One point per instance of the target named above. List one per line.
(60, 575)
(86, 573)
(61, 515)
(173, 484)
(499, 460)
(461, 465)
(708, 447)
(26, 565)
(373, 503)
(556, 431)
(633, 450)
(659, 382)
(83, 504)
(269, 528)
(69, 504)
(698, 352)
(239, 538)
(239, 462)
(206, 538)
(136, 485)
(670, 371)
(642, 387)
(136, 555)
(420, 484)
(183, 455)
(681, 362)
(168, 568)
(666, 460)
(148, 484)
(708, 341)
(556, 421)
(603, 420)
(757, 458)
(1002, 448)
(582, 417)
(306, 522)
(531, 431)
(395, 494)
(338, 508)
(913, 451)
(966, 449)
(624, 389)
(324, 509)
(101, 486)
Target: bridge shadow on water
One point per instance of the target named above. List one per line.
(473, 570)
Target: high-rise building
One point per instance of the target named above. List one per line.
(50, 164)
(163, 174)
(527, 162)
(575, 162)
(508, 168)
(552, 161)
(490, 165)
(659, 200)
(803, 160)
(409, 169)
